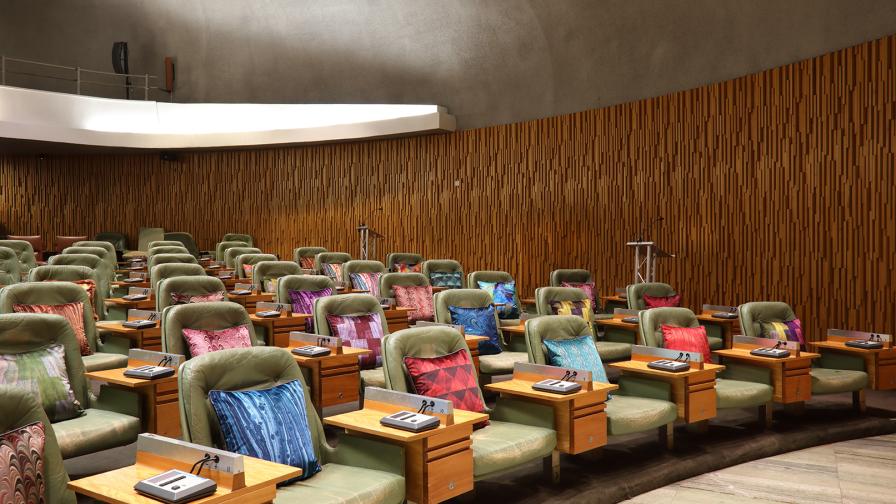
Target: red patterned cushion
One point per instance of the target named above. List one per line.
(662, 301)
(448, 377)
(360, 331)
(203, 341)
(415, 296)
(687, 339)
(22, 465)
(306, 262)
(73, 313)
(588, 288)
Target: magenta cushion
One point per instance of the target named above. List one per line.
(202, 341)
(360, 331)
(662, 301)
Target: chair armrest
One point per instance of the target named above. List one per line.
(367, 453)
(523, 412)
(644, 387)
(121, 401)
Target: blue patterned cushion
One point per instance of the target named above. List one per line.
(448, 279)
(503, 292)
(269, 424)
(479, 322)
(578, 353)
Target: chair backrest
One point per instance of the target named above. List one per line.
(444, 266)
(552, 327)
(635, 293)
(408, 258)
(651, 322)
(10, 267)
(118, 240)
(63, 242)
(232, 253)
(307, 253)
(388, 280)
(37, 244)
(210, 316)
(50, 293)
(193, 285)
(29, 332)
(108, 247)
(24, 251)
(251, 259)
(752, 315)
(558, 276)
(169, 270)
(236, 369)
(21, 408)
(221, 248)
(164, 243)
(346, 304)
(361, 266)
(424, 342)
(170, 258)
(185, 239)
(544, 296)
(271, 270)
(103, 273)
(102, 253)
(238, 237)
(302, 283)
(166, 249)
(147, 235)
(330, 258)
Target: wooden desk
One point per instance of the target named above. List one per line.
(693, 391)
(257, 484)
(335, 378)
(621, 332)
(159, 397)
(397, 318)
(511, 331)
(790, 376)
(879, 364)
(579, 419)
(250, 300)
(278, 328)
(126, 285)
(438, 462)
(147, 339)
(728, 327)
(609, 303)
(118, 307)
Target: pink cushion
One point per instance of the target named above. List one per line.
(588, 288)
(687, 339)
(72, 312)
(415, 296)
(247, 270)
(662, 301)
(360, 331)
(178, 298)
(203, 341)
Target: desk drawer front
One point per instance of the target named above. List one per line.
(588, 432)
(450, 476)
(340, 389)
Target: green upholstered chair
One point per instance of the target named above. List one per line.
(330, 258)
(635, 293)
(232, 253)
(166, 249)
(475, 277)
(302, 283)
(513, 351)
(211, 316)
(108, 247)
(639, 405)
(833, 373)
(145, 236)
(242, 260)
(351, 304)
(54, 293)
(104, 274)
(405, 279)
(21, 408)
(53, 272)
(10, 267)
(170, 259)
(403, 258)
(101, 252)
(612, 346)
(731, 392)
(186, 240)
(221, 248)
(165, 243)
(103, 424)
(267, 274)
(304, 256)
(558, 276)
(170, 270)
(444, 266)
(24, 251)
(519, 432)
(361, 266)
(118, 240)
(238, 237)
(357, 470)
(192, 285)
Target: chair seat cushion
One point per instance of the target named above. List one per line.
(373, 378)
(95, 430)
(715, 343)
(339, 483)
(501, 363)
(741, 394)
(832, 381)
(629, 414)
(504, 445)
(101, 361)
(613, 350)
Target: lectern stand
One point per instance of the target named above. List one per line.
(646, 254)
(368, 246)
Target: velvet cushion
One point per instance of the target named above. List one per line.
(202, 341)
(579, 308)
(503, 293)
(306, 262)
(479, 322)
(687, 339)
(179, 299)
(43, 373)
(447, 279)
(588, 288)
(22, 465)
(360, 331)
(578, 353)
(407, 268)
(367, 281)
(72, 312)
(662, 301)
(449, 377)
(270, 424)
(332, 270)
(415, 296)
(786, 331)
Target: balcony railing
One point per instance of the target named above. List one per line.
(81, 79)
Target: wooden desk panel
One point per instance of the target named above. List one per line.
(618, 331)
(397, 318)
(729, 327)
(250, 300)
(335, 378)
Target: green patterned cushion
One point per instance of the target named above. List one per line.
(43, 372)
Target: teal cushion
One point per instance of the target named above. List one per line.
(577, 353)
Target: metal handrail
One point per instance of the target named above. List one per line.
(77, 79)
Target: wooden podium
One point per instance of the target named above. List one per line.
(646, 254)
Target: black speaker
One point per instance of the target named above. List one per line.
(120, 57)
